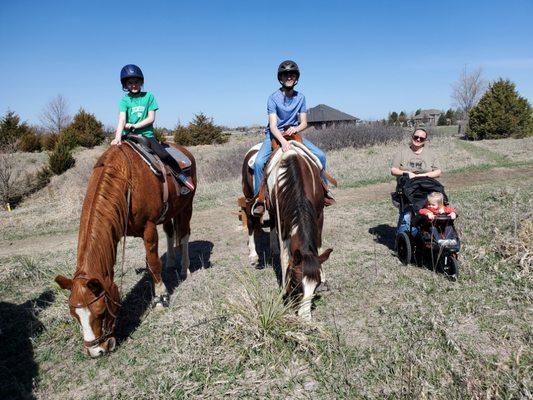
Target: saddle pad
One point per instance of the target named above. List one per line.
(146, 155)
(251, 161)
(298, 148)
(182, 159)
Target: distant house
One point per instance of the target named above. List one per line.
(323, 116)
(427, 117)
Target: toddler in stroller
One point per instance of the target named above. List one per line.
(438, 224)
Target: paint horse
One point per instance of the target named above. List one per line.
(253, 223)
(296, 204)
(124, 198)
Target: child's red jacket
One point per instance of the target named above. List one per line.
(435, 210)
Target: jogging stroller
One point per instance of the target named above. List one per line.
(427, 242)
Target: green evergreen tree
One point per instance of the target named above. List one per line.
(61, 158)
(418, 111)
(182, 136)
(11, 129)
(201, 130)
(442, 120)
(402, 118)
(501, 113)
(393, 118)
(29, 142)
(85, 130)
(451, 116)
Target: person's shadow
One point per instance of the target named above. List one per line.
(139, 299)
(18, 326)
(384, 234)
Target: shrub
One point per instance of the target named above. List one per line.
(85, 130)
(160, 134)
(500, 113)
(442, 120)
(48, 142)
(201, 130)
(182, 136)
(61, 158)
(356, 136)
(29, 143)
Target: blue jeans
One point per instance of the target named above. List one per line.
(404, 223)
(264, 153)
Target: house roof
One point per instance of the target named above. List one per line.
(427, 113)
(324, 113)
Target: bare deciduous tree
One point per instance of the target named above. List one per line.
(468, 89)
(55, 116)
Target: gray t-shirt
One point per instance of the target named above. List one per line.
(407, 160)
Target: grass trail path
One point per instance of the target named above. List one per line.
(454, 181)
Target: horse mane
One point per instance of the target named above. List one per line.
(295, 207)
(103, 215)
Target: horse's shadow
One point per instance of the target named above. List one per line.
(139, 299)
(18, 325)
(384, 234)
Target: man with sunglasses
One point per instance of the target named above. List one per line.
(415, 161)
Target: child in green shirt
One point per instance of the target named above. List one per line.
(137, 114)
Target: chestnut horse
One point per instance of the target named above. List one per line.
(124, 198)
(296, 205)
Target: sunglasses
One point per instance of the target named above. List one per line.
(417, 138)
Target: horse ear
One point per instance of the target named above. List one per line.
(95, 286)
(64, 283)
(297, 257)
(324, 256)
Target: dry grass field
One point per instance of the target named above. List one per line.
(384, 330)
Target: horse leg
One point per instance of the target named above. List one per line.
(183, 232)
(154, 264)
(309, 286)
(253, 258)
(170, 233)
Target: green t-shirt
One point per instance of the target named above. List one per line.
(407, 160)
(136, 109)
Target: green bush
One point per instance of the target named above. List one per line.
(85, 130)
(500, 113)
(48, 142)
(160, 134)
(182, 136)
(61, 158)
(29, 142)
(442, 120)
(201, 130)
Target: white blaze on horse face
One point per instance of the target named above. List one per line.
(305, 306)
(86, 330)
(88, 335)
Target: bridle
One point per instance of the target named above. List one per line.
(108, 324)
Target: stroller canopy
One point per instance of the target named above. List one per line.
(414, 192)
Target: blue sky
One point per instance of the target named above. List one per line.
(220, 57)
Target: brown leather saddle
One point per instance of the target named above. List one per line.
(139, 144)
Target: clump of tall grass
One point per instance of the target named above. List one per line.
(357, 136)
(261, 314)
(517, 246)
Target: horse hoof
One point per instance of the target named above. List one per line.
(323, 287)
(161, 302)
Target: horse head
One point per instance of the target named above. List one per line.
(94, 304)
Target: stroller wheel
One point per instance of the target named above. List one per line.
(403, 247)
(451, 267)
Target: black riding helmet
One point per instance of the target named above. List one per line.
(288, 66)
(130, 71)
